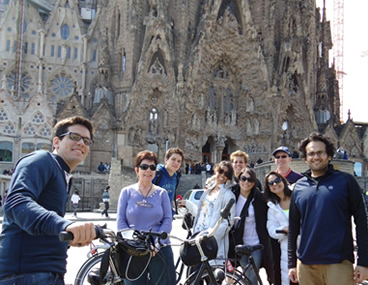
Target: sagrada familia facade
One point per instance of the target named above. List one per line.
(208, 76)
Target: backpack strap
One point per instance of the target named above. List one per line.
(158, 177)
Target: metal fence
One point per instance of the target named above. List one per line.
(90, 192)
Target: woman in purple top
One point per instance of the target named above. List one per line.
(145, 206)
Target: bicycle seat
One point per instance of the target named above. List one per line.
(247, 249)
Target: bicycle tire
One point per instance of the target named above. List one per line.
(230, 279)
(92, 266)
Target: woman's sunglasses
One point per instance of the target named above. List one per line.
(277, 181)
(221, 171)
(249, 179)
(146, 166)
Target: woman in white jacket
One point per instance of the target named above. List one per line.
(215, 198)
(278, 194)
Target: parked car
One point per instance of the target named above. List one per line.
(193, 195)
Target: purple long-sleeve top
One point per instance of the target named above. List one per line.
(131, 215)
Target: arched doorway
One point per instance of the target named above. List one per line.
(206, 153)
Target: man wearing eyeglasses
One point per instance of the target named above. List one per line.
(30, 250)
(282, 160)
(321, 210)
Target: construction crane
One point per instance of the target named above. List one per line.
(338, 48)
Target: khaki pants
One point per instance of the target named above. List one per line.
(326, 274)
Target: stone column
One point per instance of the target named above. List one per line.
(115, 182)
(84, 38)
(42, 42)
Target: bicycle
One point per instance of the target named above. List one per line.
(101, 266)
(209, 274)
(89, 273)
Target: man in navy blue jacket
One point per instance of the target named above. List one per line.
(321, 210)
(30, 250)
(167, 175)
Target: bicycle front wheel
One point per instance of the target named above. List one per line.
(230, 279)
(89, 273)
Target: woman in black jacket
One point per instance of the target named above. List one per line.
(251, 229)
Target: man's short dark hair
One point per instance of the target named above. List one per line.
(315, 137)
(176, 150)
(62, 126)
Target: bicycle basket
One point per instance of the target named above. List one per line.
(190, 255)
(131, 258)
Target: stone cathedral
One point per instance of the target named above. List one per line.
(208, 76)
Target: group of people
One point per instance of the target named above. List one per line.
(303, 221)
(287, 216)
(103, 167)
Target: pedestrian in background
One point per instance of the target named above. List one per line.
(75, 200)
(106, 200)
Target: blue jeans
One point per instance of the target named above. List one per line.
(257, 257)
(36, 278)
(161, 270)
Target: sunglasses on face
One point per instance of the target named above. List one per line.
(146, 166)
(277, 181)
(281, 156)
(221, 171)
(77, 137)
(249, 179)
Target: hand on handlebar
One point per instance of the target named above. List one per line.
(83, 234)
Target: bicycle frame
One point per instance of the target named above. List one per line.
(252, 264)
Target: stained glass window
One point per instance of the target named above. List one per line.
(62, 86)
(25, 81)
(65, 32)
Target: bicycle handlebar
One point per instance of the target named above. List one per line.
(225, 212)
(102, 232)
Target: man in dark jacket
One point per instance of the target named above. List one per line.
(30, 250)
(321, 208)
(168, 174)
(283, 158)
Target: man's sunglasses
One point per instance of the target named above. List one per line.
(249, 179)
(277, 181)
(77, 137)
(281, 156)
(146, 166)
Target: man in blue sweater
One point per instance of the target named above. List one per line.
(30, 250)
(321, 210)
(167, 176)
